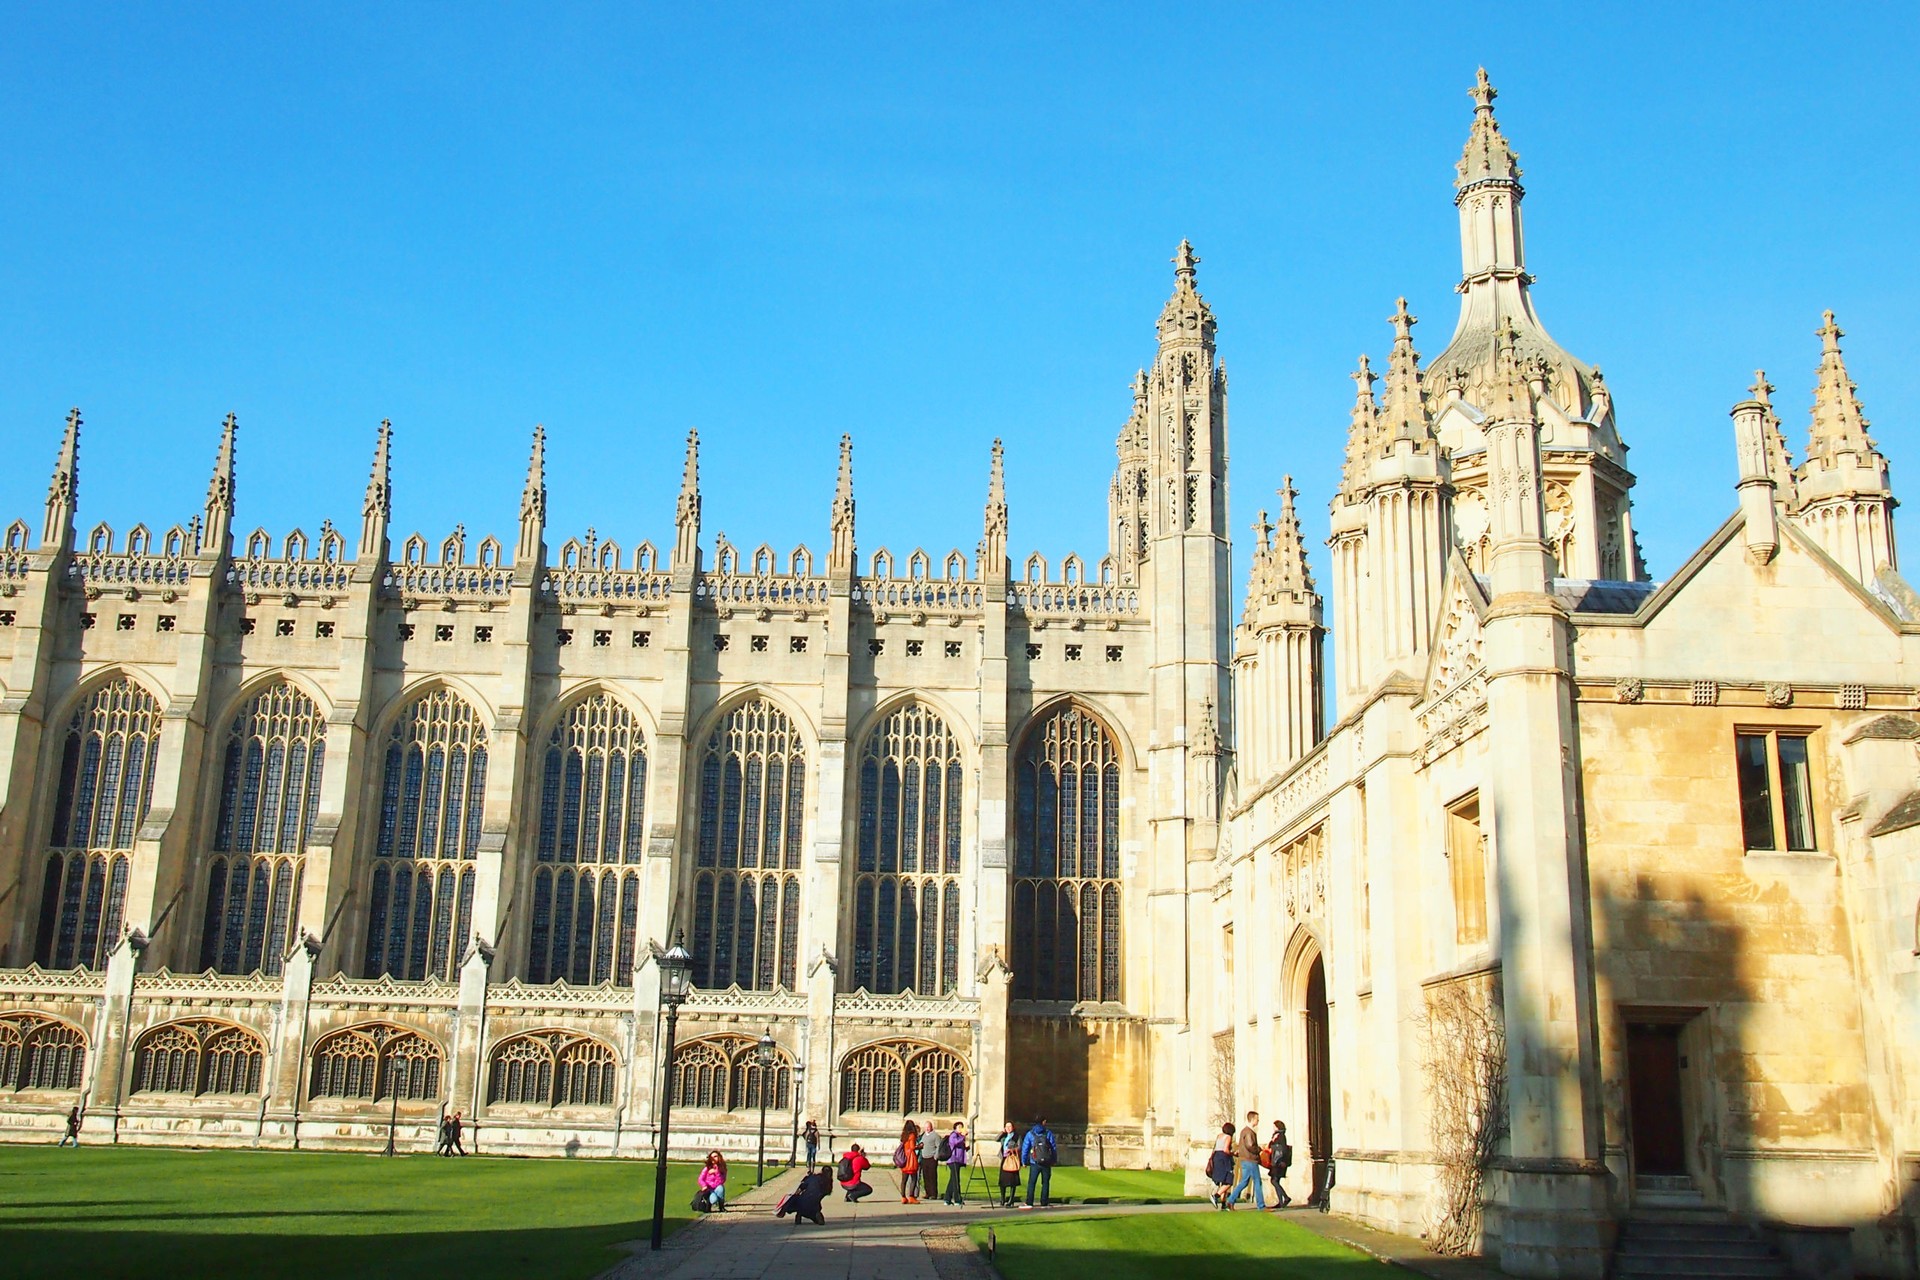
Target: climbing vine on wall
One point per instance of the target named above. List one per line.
(1465, 1043)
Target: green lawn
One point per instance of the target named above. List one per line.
(140, 1212)
(1155, 1246)
(1074, 1185)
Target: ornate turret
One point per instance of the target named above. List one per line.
(1186, 415)
(1518, 561)
(63, 492)
(1403, 410)
(1845, 498)
(1129, 496)
(219, 526)
(1586, 481)
(377, 508)
(1762, 455)
(531, 549)
(686, 514)
(840, 555)
(1363, 432)
(1278, 649)
(993, 538)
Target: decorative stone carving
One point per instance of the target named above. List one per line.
(1779, 694)
(1629, 689)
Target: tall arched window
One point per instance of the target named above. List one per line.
(586, 894)
(552, 1069)
(38, 1052)
(421, 904)
(746, 893)
(722, 1073)
(198, 1056)
(1066, 888)
(906, 895)
(269, 798)
(904, 1078)
(100, 799)
(375, 1062)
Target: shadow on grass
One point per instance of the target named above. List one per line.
(1155, 1246)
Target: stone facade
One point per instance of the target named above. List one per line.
(306, 840)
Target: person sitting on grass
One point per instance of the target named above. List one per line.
(848, 1171)
(713, 1182)
(806, 1198)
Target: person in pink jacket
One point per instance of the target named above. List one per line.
(713, 1182)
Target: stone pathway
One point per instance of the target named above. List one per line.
(882, 1239)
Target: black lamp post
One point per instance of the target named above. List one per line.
(676, 978)
(763, 1058)
(799, 1092)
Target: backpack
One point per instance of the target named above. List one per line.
(1283, 1157)
(946, 1147)
(844, 1170)
(1044, 1154)
(900, 1156)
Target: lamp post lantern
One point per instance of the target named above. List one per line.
(763, 1056)
(798, 1094)
(676, 979)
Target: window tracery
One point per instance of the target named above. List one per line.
(746, 890)
(101, 796)
(269, 800)
(38, 1052)
(592, 824)
(903, 1077)
(552, 1069)
(199, 1056)
(906, 894)
(720, 1073)
(432, 797)
(1066, 889)
(375, 1062)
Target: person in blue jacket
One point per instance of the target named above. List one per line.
(1039, 1152)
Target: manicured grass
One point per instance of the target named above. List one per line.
(1075, 1185)
(1156, 1246)
(139, 1212)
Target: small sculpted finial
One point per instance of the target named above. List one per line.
(1761, 390)
(1402, 321)
(1483, 93)
(1184, 261)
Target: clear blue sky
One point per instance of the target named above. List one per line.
(926, 225)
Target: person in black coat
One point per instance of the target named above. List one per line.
(806, 1198)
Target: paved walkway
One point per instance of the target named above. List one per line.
(882, 1239)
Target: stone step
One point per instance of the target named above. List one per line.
(1719, 1269)
(1688, 1236)
(1744, 1252)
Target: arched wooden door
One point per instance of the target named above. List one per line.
(1319, 1081)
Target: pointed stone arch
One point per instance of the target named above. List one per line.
(139, 540)
(100, 539)
(17, 536)
(646, 558)
(259, 545)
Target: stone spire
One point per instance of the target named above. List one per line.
(1778, 458)
(63, 492)
(840, 555)
(377, 508)
(686, 514)
(1838, 424)
(1488, 156)
(533, 505)
(219, 527)
(1363, 430)
(1128, 496)
(1403, 410)
(1289, 549)
(1843, 492)
(993, 540)
(1755, 441)
(1186, 317)
(1277, 651)
(1520, 562)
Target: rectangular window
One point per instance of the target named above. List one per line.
(1776, 791)
(1467, 862)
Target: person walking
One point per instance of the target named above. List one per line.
(811, 1136)
(930, 1155)
(956, 1145)
(1279, 1160)
(1220, 1166)
(443, 1145)
(1009, 1166)
(848, 1171)
(1039, 1152)
(1246, 1153)
(453, 1137)
(72, 1136)
(906, 1158)
(713, 1183)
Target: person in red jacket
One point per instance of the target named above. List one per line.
(851, 1166)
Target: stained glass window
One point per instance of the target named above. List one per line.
(904, 1078)
(199, 1056)
(420, 908)
(1066, 892)
(906, 897)
(586, 893)
(552, 1069)
(376, 1062)
(721, 1073)
(746, 887)
(101, 796)
(269, 797)
(39, 1052)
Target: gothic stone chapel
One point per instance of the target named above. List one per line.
(1600, 892)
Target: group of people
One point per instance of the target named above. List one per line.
(1243, 1153)
(922, 1152)
(450, 1129)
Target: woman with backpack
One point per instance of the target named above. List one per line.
(906, 1158)
(956, 1157)
(1009, 1166)
(712, 1196)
